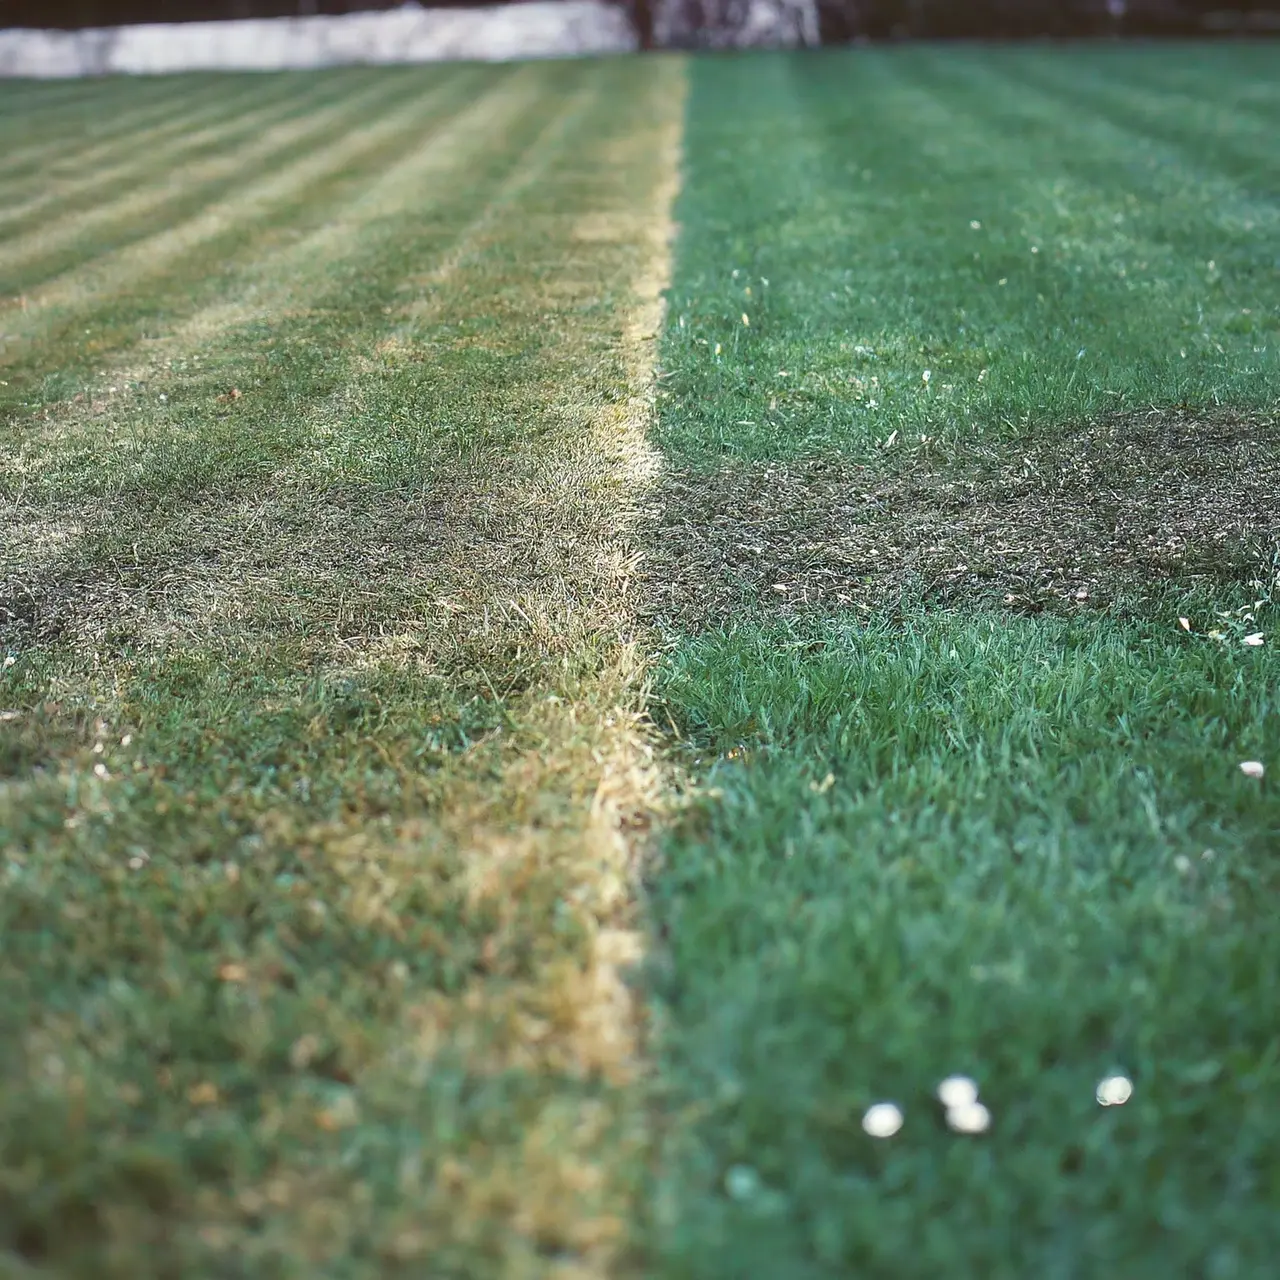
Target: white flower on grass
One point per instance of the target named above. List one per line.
(975, 225)
(1114, 1090)
(1252, 768)
(973, 1117)
(957, 1091)
(882, 1120)
(1254, 640)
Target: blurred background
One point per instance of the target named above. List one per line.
(715, 23)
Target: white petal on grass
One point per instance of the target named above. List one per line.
(1252, 768)
(957, 1091)
(882, 1120)
(1254, 640)
(971, 1118)
(1114, 1091)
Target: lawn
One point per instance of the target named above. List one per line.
(495, 782)
(323, 403)
(970, 527)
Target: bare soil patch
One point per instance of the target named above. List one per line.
(1101, 517)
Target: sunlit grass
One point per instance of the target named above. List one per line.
(320, 705)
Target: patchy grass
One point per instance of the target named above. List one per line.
(323, 759)
(974, 802)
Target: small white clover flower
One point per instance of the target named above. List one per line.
(971, 1118)
(1114, 1091)
(882, 1120)
(957, 1091)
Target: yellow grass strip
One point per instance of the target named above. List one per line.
(582, 785)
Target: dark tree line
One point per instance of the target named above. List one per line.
(704, 22)
(842, 20)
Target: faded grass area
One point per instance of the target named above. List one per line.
(324, 760)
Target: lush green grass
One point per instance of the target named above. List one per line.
(1124, 252)
(314, 658)
(1023, 852)
(965, 840)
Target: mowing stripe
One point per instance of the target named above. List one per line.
(78, 131)
(27, 260)
(151, 153)
(1237, 160)
(27, 171)
(226, 230)
(279, 283)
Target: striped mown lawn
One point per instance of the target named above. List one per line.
(325, 401)
(495, 782)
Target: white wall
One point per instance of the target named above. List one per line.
(538, 29)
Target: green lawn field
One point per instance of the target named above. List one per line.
(970, 386)
(498, 774)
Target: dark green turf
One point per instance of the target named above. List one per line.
(964, 840)
(1125, 252)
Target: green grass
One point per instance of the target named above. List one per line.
(309, 639)
(319, 610)
(1124, 252)
(924, 840)
(1020, 851)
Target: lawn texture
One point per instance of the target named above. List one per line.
(970, 358)
(322, 763)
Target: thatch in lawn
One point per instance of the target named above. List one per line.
(1107, 515)
(506, 568)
